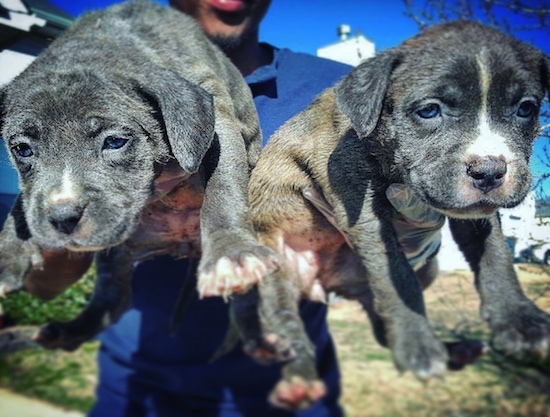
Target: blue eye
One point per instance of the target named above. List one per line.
(430, 111)
(113, 143)
(526, 109)
(23, 150)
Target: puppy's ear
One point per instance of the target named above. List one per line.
(187, 113)
(360, 95)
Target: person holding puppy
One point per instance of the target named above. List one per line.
(144, 370)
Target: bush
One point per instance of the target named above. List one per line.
(25, 309)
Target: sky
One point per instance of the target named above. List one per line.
(306, 25)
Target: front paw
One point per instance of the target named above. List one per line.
(237, 271)
(520, 328)
(296, 393)
(416, 349)
(67, 336)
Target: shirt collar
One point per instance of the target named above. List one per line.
(263, 81)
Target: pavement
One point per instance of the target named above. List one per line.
(16, 405)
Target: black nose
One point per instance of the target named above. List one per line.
(487, 173)
(65, 217)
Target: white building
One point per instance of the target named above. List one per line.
(349, 50)
(520, 226)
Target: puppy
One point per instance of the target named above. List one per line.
(452, 114)
(133, 136)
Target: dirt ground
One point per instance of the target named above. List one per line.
(372, 387)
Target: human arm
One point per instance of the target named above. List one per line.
(61, 270)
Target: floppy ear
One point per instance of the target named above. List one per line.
(360, 95)
(187, 112)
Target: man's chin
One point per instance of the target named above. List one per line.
(227, 43)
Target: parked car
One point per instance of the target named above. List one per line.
(538, 253)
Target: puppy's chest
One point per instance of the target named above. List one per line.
(170, 221)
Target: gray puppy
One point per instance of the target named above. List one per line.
(451, 113)
(133, 136)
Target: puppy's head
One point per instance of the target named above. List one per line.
(88, 147)
(455, 110)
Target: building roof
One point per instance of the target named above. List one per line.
(58, 19)
(351, 51)
(27, 27)
(19, 18)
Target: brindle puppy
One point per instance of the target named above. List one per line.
(452, 113)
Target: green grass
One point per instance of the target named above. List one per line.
(62, 378)
(65, 379)
(28, 310)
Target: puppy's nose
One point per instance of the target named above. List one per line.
(487, 172)
(65, 217)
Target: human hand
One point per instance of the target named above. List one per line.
(418, 226)
(61, 270)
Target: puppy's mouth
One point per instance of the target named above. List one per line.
(78, 248)
(474, 211)
(86, 237)
(469, 203)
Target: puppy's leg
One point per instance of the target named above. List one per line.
(18, 253)
(393, 297)
(397, 299)
(111, 297)
(263, 346)
(460, 353)
(300, 386)
(517, 324)
(232, 259)
(427, 273)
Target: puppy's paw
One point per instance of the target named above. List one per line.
(523, 328)
(65, 336)
(464, 352)
(270, 349)
(236, 272)
(296, 393)
(417, 350)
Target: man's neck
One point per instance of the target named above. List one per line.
(249, 56)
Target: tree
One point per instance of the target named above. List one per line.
(516, 17)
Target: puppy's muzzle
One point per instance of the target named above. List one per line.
(65, 217)
(487, 173)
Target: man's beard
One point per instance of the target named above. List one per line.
(225, 42)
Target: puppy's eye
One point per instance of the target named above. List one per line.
(526, 109)
(112, 143)
(430, 111)
(23, 150)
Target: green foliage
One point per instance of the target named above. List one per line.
(28, 310)
(62, 378)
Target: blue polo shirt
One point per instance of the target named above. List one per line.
(146, 371)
